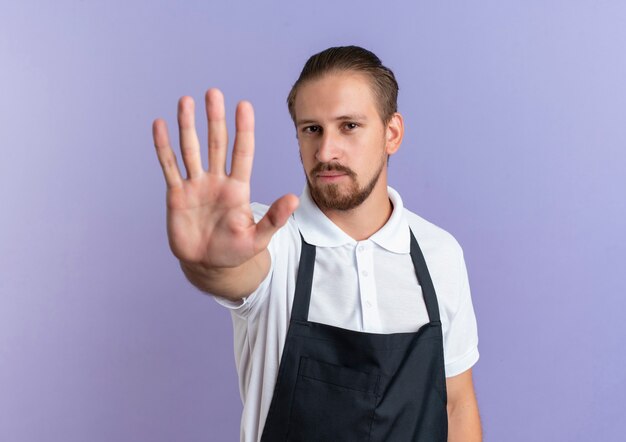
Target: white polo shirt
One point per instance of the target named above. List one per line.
(368, 286)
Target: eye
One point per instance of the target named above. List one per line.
(351, 126)
(311, 129)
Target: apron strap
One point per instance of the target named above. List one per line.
(304, 282)
(423, 276)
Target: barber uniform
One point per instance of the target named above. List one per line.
(336, 384)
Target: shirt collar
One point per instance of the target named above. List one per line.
(318, 230)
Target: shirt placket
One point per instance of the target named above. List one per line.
(367, 287)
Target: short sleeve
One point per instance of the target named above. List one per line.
(461, 340)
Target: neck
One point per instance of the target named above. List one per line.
(370, 216)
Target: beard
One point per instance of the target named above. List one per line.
(329, 196)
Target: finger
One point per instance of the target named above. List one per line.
(218, 135)
(189, 143)
(243, 151)
(166, 154)
(274, 219)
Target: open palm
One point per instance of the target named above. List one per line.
(209, 220)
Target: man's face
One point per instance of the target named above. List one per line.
(342, 139)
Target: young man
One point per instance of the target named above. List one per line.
(352, 316)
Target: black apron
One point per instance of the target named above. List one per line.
(336, 384)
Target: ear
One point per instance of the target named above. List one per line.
(394, 133)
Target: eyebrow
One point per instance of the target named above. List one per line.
(353, 117)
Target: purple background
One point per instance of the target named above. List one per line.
(515, 137)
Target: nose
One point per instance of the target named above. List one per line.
(328, 150)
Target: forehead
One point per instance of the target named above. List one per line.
(335, 94)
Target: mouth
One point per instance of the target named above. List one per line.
(327, 173)
(330, 176)
(330, 173)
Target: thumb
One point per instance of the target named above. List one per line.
(274, 219)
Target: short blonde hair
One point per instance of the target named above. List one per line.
(351, 58)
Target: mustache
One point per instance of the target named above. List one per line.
(327, 167)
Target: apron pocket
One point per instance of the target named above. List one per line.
(332, 402)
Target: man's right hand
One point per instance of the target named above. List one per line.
(210, 225)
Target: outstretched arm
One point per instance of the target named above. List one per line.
(210, 225)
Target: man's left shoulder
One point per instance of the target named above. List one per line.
(444, 258)
(433, 239)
